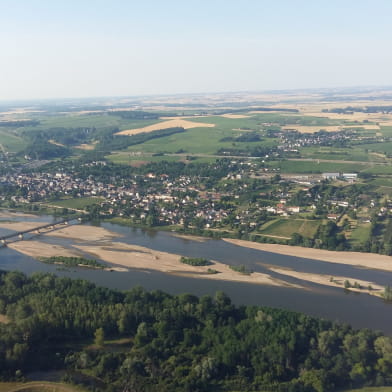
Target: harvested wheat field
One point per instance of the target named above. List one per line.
(86, 147)
(234, 116)
(166, 124)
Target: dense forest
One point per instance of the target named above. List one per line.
(177, 343)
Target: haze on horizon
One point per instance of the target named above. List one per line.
(53, 49)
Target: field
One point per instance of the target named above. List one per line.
(77, 203)
(186, 124)
(98, 121)
(209, 135)
(290, 166)
(384, 148)
(343, 154)
(127, 158)
(284, 228)
(360, 234)
(10, 141)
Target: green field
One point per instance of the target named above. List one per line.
(378, 169)
(360, 234)
(11, 142)
(285, 227)
(78, 203)
(125, 158)
(198, 141)
(98, 121)
(343, 154)
(290, 166)
(384, 147)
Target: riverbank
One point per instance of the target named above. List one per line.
(356, 259)
(333, 281)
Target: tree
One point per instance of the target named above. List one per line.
(99, 337)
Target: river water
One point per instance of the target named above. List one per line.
(336, 304)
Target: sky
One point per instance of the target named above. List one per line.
(97, 48)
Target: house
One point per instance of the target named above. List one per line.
(350, 176)
(331, 176)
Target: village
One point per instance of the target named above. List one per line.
(242, 202)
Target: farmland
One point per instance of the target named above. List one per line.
(264, 155)
(286, 227)
(76, 203)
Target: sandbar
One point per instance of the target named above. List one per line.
(366, 260)
(84, 233)
(5, 214)
(20, 226)
(190, 237)
(138, 257)
(41, 249)
(38, 249)
(334, 281)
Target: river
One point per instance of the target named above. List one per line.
(336, 304)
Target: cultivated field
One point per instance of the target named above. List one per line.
(78, 203)
(177, 123)
(286, 227)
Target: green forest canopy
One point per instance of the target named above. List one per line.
(179, 343)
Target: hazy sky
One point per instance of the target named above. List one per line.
(82, 48)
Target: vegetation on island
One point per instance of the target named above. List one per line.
(72, 261)
(177, 343)
(241, 269)
(195, 261)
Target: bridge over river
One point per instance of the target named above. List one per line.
(19, 235)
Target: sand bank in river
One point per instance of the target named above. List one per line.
(84, 233)
(38, 249)
(20, 226)
(190, 237)
(41, 249)
(5, 214)
(333, 281)
(134, 256)
(367, 260)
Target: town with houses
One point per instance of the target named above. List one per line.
(242, 202)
